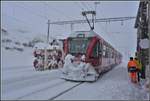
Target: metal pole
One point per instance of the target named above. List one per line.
(71, 25)
(48, 31)
(95, 10)
(47, 42)
(149, 39)
(96, 3)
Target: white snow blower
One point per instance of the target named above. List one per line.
(78, 70)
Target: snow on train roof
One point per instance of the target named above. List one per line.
(85, 33)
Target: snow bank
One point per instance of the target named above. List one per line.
(22, 85)
(16, 58)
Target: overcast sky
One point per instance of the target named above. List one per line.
(32, 17)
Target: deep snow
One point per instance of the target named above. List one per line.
(19, 81)
(114, 85)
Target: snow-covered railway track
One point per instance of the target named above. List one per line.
(23, 70)
(22, 78)
(25, 83)
(16, 67)
(50, 92)
(40, 90)
(67, 90)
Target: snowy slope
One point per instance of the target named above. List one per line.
(12, 57)
(19, 78)
(16, 58)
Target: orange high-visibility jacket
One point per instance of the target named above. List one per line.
(132, 64)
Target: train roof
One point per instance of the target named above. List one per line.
(85, 33)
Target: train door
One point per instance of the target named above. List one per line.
(95, 54)
(100, 52)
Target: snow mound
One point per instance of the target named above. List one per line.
(78, 71)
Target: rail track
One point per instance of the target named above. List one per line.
(40, 90)
(16, 67)
(28, 86)
(50, 90)
(67, 90)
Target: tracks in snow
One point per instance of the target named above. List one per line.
(16, 67)
(67, 90)
(50, 92)
(22, 83)
(40, 90)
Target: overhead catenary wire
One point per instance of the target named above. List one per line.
(17, 19)
(25, 28)
(82, 9)
(90, 6)
(32, 12)
(78, 4)
(25, 24)
(101, 27)
(114, 19)
(84, 5)
(28, 25)
(106, 25)
(58, 11)
(39, 15)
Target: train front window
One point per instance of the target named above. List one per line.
(78, 45)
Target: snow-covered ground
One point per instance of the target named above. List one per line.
(30, 84)
(114, 85)
(20, 81)
(15, 58)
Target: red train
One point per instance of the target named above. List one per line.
(99, 53)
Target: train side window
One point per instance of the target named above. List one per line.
(112, 54)
(104, 50)
(107, 52)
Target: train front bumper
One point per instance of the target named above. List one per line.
(88, 78)
(79, 73)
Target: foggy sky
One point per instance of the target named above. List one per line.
(32, 17)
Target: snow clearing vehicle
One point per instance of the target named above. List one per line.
(47, 56)
(87, 55)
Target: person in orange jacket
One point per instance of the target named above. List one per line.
(132, 69)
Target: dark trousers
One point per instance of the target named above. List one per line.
(138, 75)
